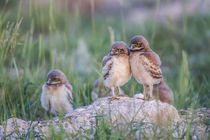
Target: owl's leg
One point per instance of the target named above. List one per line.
(113, 93)
(145, 91)
(150, 91)
(114, 97)
(120, 93)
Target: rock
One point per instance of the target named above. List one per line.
(136, 110)
(198, 120)
(138, 96)
(125, 114)
(14, 127)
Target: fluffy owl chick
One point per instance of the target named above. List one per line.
(99, 90)
(145, 64)
(57, 93)
(162, 92)
(116, 67)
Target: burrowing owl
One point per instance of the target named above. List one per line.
(57, 93)
(116, 67)
(145, 64)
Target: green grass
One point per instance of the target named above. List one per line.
(35, 39)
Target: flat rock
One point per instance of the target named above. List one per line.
(123, 113)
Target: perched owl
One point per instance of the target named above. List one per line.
(116, 67)
(57, 93)
(145, 64)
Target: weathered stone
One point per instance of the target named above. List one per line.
(124, 113)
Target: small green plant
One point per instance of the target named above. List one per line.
(183, 82)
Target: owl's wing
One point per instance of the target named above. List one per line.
(151, 63)
(69, 92)
(105, 60)
(107, 65)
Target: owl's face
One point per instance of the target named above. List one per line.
(139, 43)
(56, 78)
(119, 48)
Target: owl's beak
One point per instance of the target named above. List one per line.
(51, 82)
(131, 46)
(48, 81)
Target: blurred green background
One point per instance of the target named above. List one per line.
(74, 35)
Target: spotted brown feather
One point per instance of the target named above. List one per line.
(107, 65)
(151, 62)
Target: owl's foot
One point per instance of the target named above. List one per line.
(151, 98)
(139, 96)
(122, 95)
(113, 98)
(148, 98)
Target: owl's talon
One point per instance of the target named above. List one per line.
(122, 95)
(151, 98)
(146, 98)
(113, 98)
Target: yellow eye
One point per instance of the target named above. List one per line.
(55, 79)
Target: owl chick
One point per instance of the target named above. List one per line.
(116, 67)
(57, 93)
(99, 90)
(161, 92)
(145, 64)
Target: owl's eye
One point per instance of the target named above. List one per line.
(139, 45)
(55, 79)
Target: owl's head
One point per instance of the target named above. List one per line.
(139, 43)
(119, 48)
(56, 78)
